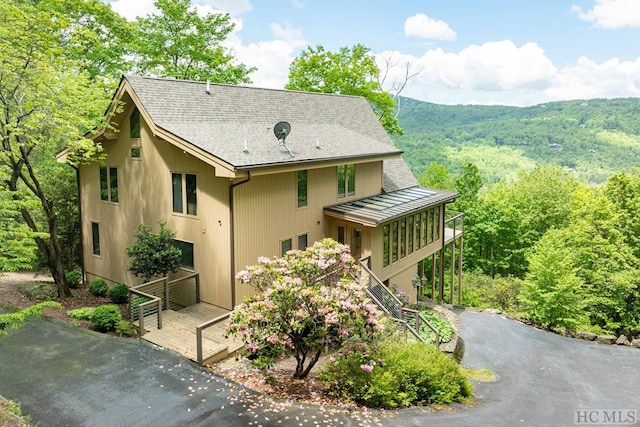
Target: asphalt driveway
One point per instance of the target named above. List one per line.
(67, 376)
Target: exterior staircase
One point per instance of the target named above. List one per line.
(412, 321)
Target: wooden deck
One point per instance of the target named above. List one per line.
(178, 333)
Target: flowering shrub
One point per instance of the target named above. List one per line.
(306, 300)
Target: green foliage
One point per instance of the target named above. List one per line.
(98, 287)
(552, 292)
(106, 317)
(82, 313)
(180, 43)
(306, 301)
(17, 320)
(153, 254)
(119, 294)
(47, 101)
(350, 71)
(126, 328)
(17, 249)
(444, 328)
(74, 278)
(396, 373)
(594, 138)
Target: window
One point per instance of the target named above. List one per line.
(410, 235)
(184, 191)
(95, 233)
(186, 260)
(341, 235)
(136, 152)
(109, 184)
(302, 188)
(403, 237)
(394, 241)
(285, 246)
(346, 180)
(302, 242)
(385, 250)
(134, 124)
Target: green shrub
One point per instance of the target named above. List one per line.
(119, 294)
(83, 313)
(106, 317)
(74, 278)
(126, 328)
(444, 328)
(98, 287)
(397, 374)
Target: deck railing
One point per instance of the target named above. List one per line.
(201, 327)
(151, 301)
(454, 221)
(161, 294)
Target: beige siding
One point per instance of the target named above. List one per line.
(266, 212)
(145, 196)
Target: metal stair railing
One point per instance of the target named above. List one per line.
(412, 321)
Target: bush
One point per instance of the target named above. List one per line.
(98, 287)
(126, 328)
(106, 317)
(398, 374)
(119, 294)
(83, 313)
(74, 278)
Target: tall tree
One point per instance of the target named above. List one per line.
(350, 71)
(182, 44)
(46, 102)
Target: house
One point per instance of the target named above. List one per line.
(205, 158)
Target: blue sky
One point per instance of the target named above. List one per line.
(510, 52)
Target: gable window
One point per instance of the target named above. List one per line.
(186, 260)
(95, 235)
(346, 180)
(109, 184)
(285, 246)
(134, 124)
(184, 192)
(302, 188)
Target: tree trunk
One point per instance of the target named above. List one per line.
(301, 371)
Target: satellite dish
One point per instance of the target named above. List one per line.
(281, 130)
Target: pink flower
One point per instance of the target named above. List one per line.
(366, 368)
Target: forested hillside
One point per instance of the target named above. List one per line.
(592, 138)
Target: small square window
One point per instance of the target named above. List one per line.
(136, 152)
(186, 261)
(286, 246)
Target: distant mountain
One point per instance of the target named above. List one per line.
(592, 138)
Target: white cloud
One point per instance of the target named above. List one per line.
(270, 57)
(611, 14)
(131, 9)
(588, 79)
(422, 26)
(232, 7)
(493, 66)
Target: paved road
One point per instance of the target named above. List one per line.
(62, 375)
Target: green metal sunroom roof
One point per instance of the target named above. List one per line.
(375, 210)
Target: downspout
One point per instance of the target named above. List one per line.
(232, 235)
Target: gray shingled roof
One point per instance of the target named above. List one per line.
(385, 207)
(230, 118)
